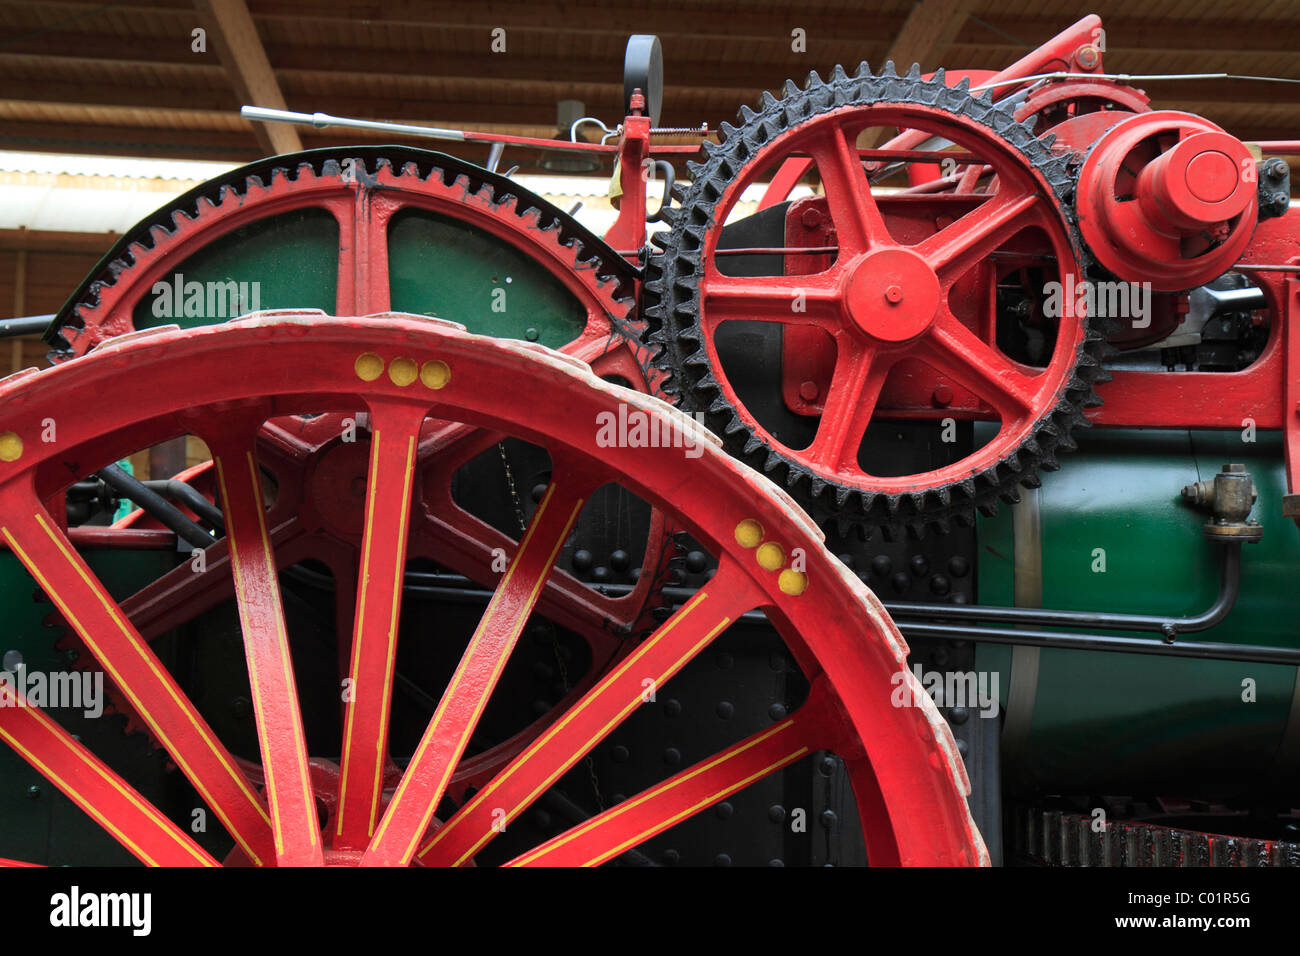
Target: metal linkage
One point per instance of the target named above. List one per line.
(968, 622)
(156, 506)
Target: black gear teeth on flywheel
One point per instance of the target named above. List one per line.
(674, 336)
(591, 251)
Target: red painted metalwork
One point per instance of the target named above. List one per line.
(1074, 49)
(628, 231)
(887, 302)
(1221, 399)
(363, 211)
(908, 777)
(1167, 198)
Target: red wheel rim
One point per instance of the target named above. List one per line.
(903, 762)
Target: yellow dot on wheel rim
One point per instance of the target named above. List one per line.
(403, 371)
(369, 366)
(749, 533)
(793, 582)
(770, 556)
(11, 446)
(435, 374)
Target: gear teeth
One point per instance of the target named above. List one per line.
(673, 306)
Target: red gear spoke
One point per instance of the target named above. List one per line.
(395, 431)
(411, 811)
(665, 652)
(791, 300)
(88, 782)
(182, 593)
(953, 349)
(652, 811)
(858, 222)
(363, 255)
(956, 249)
(136, 671)
(280, 732)
(859, 376)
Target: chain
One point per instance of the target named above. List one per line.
(550, 628)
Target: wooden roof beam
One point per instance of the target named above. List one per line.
(927, 33)
(233, 34)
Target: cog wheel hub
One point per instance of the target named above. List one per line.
(892, 295)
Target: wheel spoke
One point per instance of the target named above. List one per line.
(88, 782)
(855, 388)
(363, 255)
(374, 636)
(790, 300)
(636, 820)
(411, 811)
(956, 351)
(270, 667)
(130, 663)
(182, 593)
(728, 595)
(858, 222)
(959, 247)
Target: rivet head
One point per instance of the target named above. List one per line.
(435, 374)
(792, 582)
(369, 366)
(403, 371)
(11, 446)
(770, 556)
(749, 533)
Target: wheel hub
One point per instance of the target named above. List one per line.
(892, 295)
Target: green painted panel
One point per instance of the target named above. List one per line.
(445, 268)
(1123, 723)
(288, 261)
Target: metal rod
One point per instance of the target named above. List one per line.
(192, 498)
(1130, 77)
(25, 325)
(323, 120)
(1253, 653)
(127, 486)
(421, 583)
(1229, 587)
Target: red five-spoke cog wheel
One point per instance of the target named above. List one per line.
(887, 303)
(223, 382)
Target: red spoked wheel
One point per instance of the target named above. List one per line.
(320, 472)
(891, 302)
(224, 382)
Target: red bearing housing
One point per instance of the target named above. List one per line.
(1167, 198)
